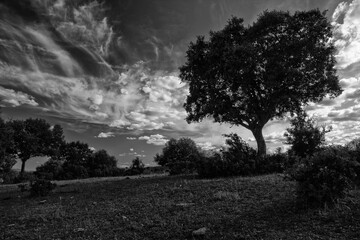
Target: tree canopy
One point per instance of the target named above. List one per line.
(248, 75)
(35, 137)
(304, 136)
(179, 155)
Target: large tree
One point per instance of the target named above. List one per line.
(248, 75)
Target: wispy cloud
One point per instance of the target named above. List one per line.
(12, 98)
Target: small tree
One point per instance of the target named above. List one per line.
(137, 166)
(249, 75)
(304, 135)
(180, 156)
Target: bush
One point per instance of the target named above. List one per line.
(24, 177)
(180, 156)
(9, 177)
(325, 177)
(137, 167)
(41, 187)
(100, 164)
(353, 148)
(74, 171)
(214, 166)
(305, 136)
(277, 162)
(50, 170)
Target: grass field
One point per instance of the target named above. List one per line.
(260, 207)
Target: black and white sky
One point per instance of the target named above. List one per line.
(107, 71)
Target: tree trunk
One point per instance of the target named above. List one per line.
(22, 167)
(261, 145)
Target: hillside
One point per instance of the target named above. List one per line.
(260, 207)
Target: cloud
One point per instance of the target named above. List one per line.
(156, 139)
(12, 98)
(206, 146)
(131, 138)
(106, 135)
(131, 149)
(346, 21)
(275, 137)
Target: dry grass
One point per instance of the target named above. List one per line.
(172, 208)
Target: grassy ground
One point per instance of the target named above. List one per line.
(172, 208)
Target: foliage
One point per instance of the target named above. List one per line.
(180, 156)
(35, 137)
(101, 164)
(248, 75)
(304, 135)
(7, 158)
(215, 166)
(24, 177)
(136, 167)
(41, 187)
(9, 177)
(75, 156)
(50, 170)
(354, 150)
(240, 154)
(324, 177)
(76, 160)
(273, 163)
(74, 171)
(237, 159)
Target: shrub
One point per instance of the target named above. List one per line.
(273, 163)
(41, 187)
(9, 177)
(305, 136)
(74, 171)
(239, 156)
(50, 170)
(180, 156)
(100, 164)
(353, 148)
(213, 166)
(24, 177)
(324, 177)
(137, 167)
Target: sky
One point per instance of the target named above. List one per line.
(108, 71)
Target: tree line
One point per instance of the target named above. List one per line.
(25, 139)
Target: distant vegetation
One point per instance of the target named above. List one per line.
(24, 139)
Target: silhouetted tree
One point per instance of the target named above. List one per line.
(179, 155)
(75, 156)
(33, 138)
(304, 136)
(101, 164)
(137, 166)
(249, 75)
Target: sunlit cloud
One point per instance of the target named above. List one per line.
(156, 139)
(106, 135)
(12, 98)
